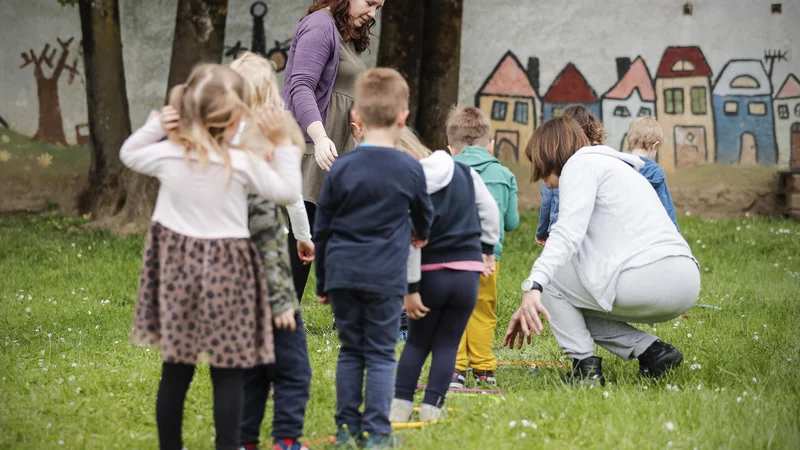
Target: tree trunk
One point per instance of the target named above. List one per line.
(115, 196)
(199, 37)
(401, 43)
(51, 125)
(438, 79)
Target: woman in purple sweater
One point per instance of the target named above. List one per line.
(324, 63)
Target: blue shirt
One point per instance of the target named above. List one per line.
(548, 212)
(362, 230)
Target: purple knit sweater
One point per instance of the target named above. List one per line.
(311, 69)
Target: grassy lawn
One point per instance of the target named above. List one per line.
(69, 378)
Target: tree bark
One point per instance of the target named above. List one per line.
(199, 37)
(402, 29)
(115, 196)
(438, 79)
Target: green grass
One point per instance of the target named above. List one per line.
(68, 374)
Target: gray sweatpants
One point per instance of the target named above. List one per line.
(653, 293)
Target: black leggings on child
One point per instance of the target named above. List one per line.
(451, 296)
(300, 271)
(228, 398)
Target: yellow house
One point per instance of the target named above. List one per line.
(684, 110)
(509, 98)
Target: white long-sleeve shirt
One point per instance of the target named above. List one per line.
(610, 220)
(204, 202)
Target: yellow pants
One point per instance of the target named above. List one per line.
(476, 344)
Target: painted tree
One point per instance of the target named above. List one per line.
(51, 124)
(422, 40)
(116, 196)
(199, 37)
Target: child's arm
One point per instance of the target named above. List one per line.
(284, 184)
(298, 218)
(137, 152)
(326, 207)
(420, 208)
(414, 268)
(663, 194)
(489, 214)
(544, 213)
(512, 213)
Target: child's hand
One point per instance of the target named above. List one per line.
(417, 243)
(305, 250)
(323, 299)
(414, 307)
(275, 126)
(285, 321)
(169, 119)
(541, 241)
(488, 261)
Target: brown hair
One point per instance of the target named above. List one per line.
(468, 125)
(213, 98)
(552, 145)
(381, 96)
(341, 15)
(592, 127)
(409, 143)
(643, 133)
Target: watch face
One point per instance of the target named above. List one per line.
(527, 285)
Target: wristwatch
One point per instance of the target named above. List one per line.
(530, 285)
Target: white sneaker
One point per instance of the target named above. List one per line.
(429, 413)
(401, 410)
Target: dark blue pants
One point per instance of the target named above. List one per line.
(291, 375)
(451, 296)
(367, 324)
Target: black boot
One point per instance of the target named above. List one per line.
(587, 372)
(658, 359)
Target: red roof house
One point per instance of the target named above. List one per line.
(570, 86)
(508, 78)
(637, 77)
(683, 62)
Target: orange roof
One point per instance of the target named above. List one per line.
(508, 78)
(691, 54)
(570, 87)
(790, 88)
(637, 77)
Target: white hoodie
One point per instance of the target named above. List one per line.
(610, 219)
(439, 168)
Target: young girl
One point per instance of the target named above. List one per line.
(594, 131)
(202, 295)
(465, 229)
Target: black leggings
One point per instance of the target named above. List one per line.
(300, 271)
(228, 399)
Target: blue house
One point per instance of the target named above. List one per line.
(743, 113)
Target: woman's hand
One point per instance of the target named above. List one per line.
(325, 153)
(305, 250)
(170, 120)
(285, 321)
(525, 320)
(414, 307)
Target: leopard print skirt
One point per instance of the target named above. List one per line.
(203, 300)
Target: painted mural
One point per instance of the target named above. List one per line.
(735, 119)
(278, 54)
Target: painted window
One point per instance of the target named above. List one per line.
(757, 108)
(521, 112)
(783, 111)
(673, 101)
(499, 110)
(731, 108)
(621, 111)
(645, 112)
(557, 112)
(699, 100)
(797, 110)
(682, 65)
(745, 81)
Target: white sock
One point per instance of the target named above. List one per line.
(401, 410)
(429, 413)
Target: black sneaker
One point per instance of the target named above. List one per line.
(586, 372)
(658, 359)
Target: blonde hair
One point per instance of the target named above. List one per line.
(260, 74)
(409, 143)
(643, 133)
(468, 125)
(591, 127)
(552, 145)
(212, 99)
(381, 96)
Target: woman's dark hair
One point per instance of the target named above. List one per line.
(341, 15)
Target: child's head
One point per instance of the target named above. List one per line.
(645, 133)
(551, 146)
(592, 127)
(210, 105)
(381, 101)
(410, 144)
(259, 73)
(468, 126)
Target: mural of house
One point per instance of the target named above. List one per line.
(509, 98)
(787, 122)
(633, 96)
(570, 88)
(744, 126)
(683, 108)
